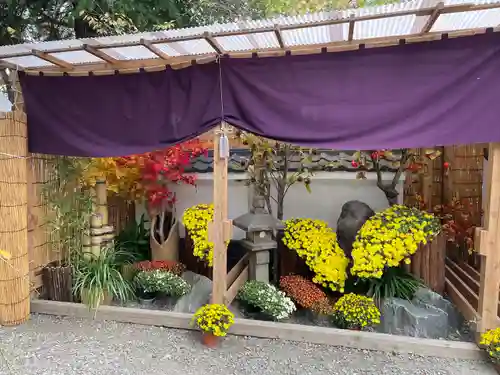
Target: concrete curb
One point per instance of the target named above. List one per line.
(272, 330)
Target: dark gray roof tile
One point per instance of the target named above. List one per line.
(323, 160)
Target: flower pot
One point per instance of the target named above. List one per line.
(57, 280)
(252, 312)
(168, 250)
(106, 298)
(146, 301)
(209, 340)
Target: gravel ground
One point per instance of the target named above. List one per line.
(61, 346)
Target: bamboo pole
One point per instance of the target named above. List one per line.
(220, 229)
(101, 201)
(487, 241)
(14, 273)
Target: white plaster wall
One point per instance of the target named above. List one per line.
(330, 190)
(187, 196)
(328, 195)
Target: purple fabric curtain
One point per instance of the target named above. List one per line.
(425, 94)
(118, 115)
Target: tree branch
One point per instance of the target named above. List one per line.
(405, 156)
(8, 86)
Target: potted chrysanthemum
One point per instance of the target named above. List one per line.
(157, 282)
(264, 301)
(214, 320)
(356, 312)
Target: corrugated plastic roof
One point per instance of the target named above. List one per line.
(400, 20)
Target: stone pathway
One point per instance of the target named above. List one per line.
(50, 345)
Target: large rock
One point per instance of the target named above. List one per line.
(425, 297)
(402, 317)
(351, 219)
(201, 290)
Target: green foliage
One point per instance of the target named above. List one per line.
(96, 277)
(70, 206)
(134, 239)
(294, 7)
(395, 282)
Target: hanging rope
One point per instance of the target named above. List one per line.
(224, 129)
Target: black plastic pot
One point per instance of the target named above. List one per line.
(145, 298)
(254, 312)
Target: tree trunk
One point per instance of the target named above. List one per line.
(391, 193)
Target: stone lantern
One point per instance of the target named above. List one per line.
(259, 226)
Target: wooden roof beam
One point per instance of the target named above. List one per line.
(100, 54)
(279, 36)
(433, 18)
(158, 52)
(52, 59)
(213, 43)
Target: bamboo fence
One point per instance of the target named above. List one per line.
(120, 212)
(14, 273)
(42, 244)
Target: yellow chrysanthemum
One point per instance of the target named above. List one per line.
(214, 318)
(196, 220)
(356, 311)
(390, 237)
(317, 244)
(490, 341)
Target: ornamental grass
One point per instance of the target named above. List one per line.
(390, 237)
(302, 291)
(490, 341)
(214, 319)
(354, 311)
(317, 244)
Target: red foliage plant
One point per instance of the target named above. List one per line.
(161, 167)
(165, 265)
(304, 292)
(457, 220)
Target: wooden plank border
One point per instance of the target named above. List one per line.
(271, 330)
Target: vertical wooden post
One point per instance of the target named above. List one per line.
(487, 241)
(220, 228)
(427, 180)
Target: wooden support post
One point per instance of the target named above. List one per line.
(487, 241)
(427, 180)
(220, 229)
